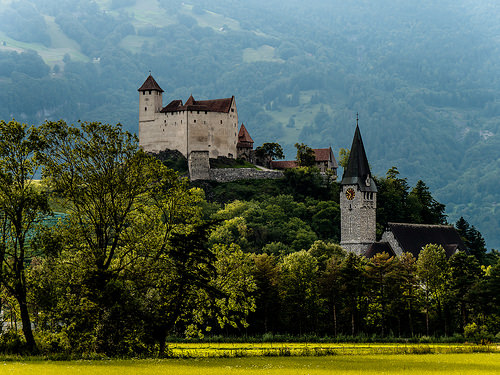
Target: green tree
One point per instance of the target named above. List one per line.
(380, 274)
(271, 150)
(330, 286)
(423, 207)
(392, 199)
(465, 272)
(323, 252)
(405, 302)
(432, 270)
(473, 239)
(352, 281)
(104, 182)
(22, 206)
(266, 273)
(299, 290)
(344, 157)
(305, 155)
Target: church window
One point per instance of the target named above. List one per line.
(149, 92)
(221, 121)
(197, 112)
(144, 93)
(232, 109)
(195, 121)
(206, 112)
(145, 108)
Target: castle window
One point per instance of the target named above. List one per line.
(221, 121)
(198, 112)
(181, 121)
(149, 92)
(145, 108)
(195, 121)
(144, 93)
(206, 112)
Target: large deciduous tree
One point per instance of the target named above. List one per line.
(432, 270)
(305, 155)
(22, 206)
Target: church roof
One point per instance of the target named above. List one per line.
(413, 237)
(244, 139)
(214, 105)
(150, 84)
(357, 171)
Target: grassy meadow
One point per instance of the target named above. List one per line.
(471, 363)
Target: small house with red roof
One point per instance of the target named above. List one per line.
(324, 160)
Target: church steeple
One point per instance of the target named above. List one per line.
(357, 171)
(358, 200)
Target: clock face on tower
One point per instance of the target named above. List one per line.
(350, 194)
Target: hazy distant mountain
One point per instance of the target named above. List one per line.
(423, 75)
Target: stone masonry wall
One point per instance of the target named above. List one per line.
(199, 165)
(234, 174)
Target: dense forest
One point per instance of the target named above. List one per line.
(422, 75)
(139, 256)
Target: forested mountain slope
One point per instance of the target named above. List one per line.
(423, 75)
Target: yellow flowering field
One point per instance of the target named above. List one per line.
(418, 364)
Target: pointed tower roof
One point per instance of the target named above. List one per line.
(150, 84)
(358, 169)
(190, 100)
(244, 135)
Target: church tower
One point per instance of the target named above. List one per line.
(358, 200)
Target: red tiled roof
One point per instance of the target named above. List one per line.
(283, 164)
(322, 154)
(243, 135)
(215, 105)
(172, 106)
(150, 84)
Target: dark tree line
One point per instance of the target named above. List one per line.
(138, 255)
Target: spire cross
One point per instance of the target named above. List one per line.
(357, 118)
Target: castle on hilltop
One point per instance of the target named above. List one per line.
(197, 125)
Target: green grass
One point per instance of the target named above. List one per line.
(263, 53)
(478, 363)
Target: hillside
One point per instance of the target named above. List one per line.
(424, 77)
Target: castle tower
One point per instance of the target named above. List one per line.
(358, 200)
(150, 104)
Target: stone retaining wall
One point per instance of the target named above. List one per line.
(234, 174)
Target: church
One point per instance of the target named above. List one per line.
(358, 206)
